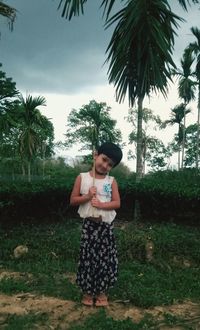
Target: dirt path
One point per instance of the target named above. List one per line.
(62, 312)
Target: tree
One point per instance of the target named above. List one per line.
(194, 47)
(8, 92)
(186, 87)
(8, 12)
(140, 49)
(90, 126)
(139, 52)
(153, 150)
(191, 146)
(31, 117)
(177, 116)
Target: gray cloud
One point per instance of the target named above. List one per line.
(46, 53)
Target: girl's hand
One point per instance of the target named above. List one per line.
(92, 192)
(96, 202)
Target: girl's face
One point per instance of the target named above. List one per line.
(103, 164)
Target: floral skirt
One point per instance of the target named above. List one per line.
(98, 264)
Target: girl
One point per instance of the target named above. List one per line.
(97, 195)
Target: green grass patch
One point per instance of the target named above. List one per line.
(25, 322)
(172, 276)
(101, 321)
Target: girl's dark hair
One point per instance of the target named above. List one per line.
(112, 151)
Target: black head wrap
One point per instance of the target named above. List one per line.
(112, 151)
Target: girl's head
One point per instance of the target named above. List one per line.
(107, 156)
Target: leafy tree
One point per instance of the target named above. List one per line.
(153, 150)
(8, 94)
(8, 12)
(191, 146)
(90, 126)
(194, 47)
(31, 118)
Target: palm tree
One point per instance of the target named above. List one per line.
(139, 52)
(8, 12)
(177, 116)
(194, 47)
(31, 117)
(186, 87)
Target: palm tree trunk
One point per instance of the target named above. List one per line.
(198, 129)
(179, 158)
(23, 169)
(29, 171)
(139, 163)
(183, 142)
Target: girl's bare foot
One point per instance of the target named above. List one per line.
(87, 300)
(101, 300)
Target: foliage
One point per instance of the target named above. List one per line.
(191, 146)
(8, 12)
(154, 151)
(8, 94)
(164, 195)
(90, 126)
(26, 136)
(194, 48)
(177, 184)
(7, 87)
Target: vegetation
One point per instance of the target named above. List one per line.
(172, 275)
(90, 126)
(8, 12)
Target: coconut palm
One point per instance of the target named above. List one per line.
(177, 116)
(31, 117)
(194, 47)
(186, 87)
(8, 12)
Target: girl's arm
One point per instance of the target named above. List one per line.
(76, 198)
(113, 204)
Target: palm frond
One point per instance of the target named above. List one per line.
(185, 4)
(8, 12)
(140, 49)
(71, 8)
(107, 7)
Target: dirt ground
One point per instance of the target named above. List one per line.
(62, 312)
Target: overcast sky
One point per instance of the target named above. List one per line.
(63, 61)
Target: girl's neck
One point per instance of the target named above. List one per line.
(97, 175)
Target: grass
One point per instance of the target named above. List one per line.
(173, 275)
(25, 322)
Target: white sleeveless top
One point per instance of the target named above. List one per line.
(104, 194)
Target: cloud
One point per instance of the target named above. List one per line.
(48, 53)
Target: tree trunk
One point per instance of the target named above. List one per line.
(139, 163)
(183, 142)
(179, 158)
(198, 129)
(29, 171)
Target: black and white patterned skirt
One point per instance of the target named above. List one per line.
(98, 264)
